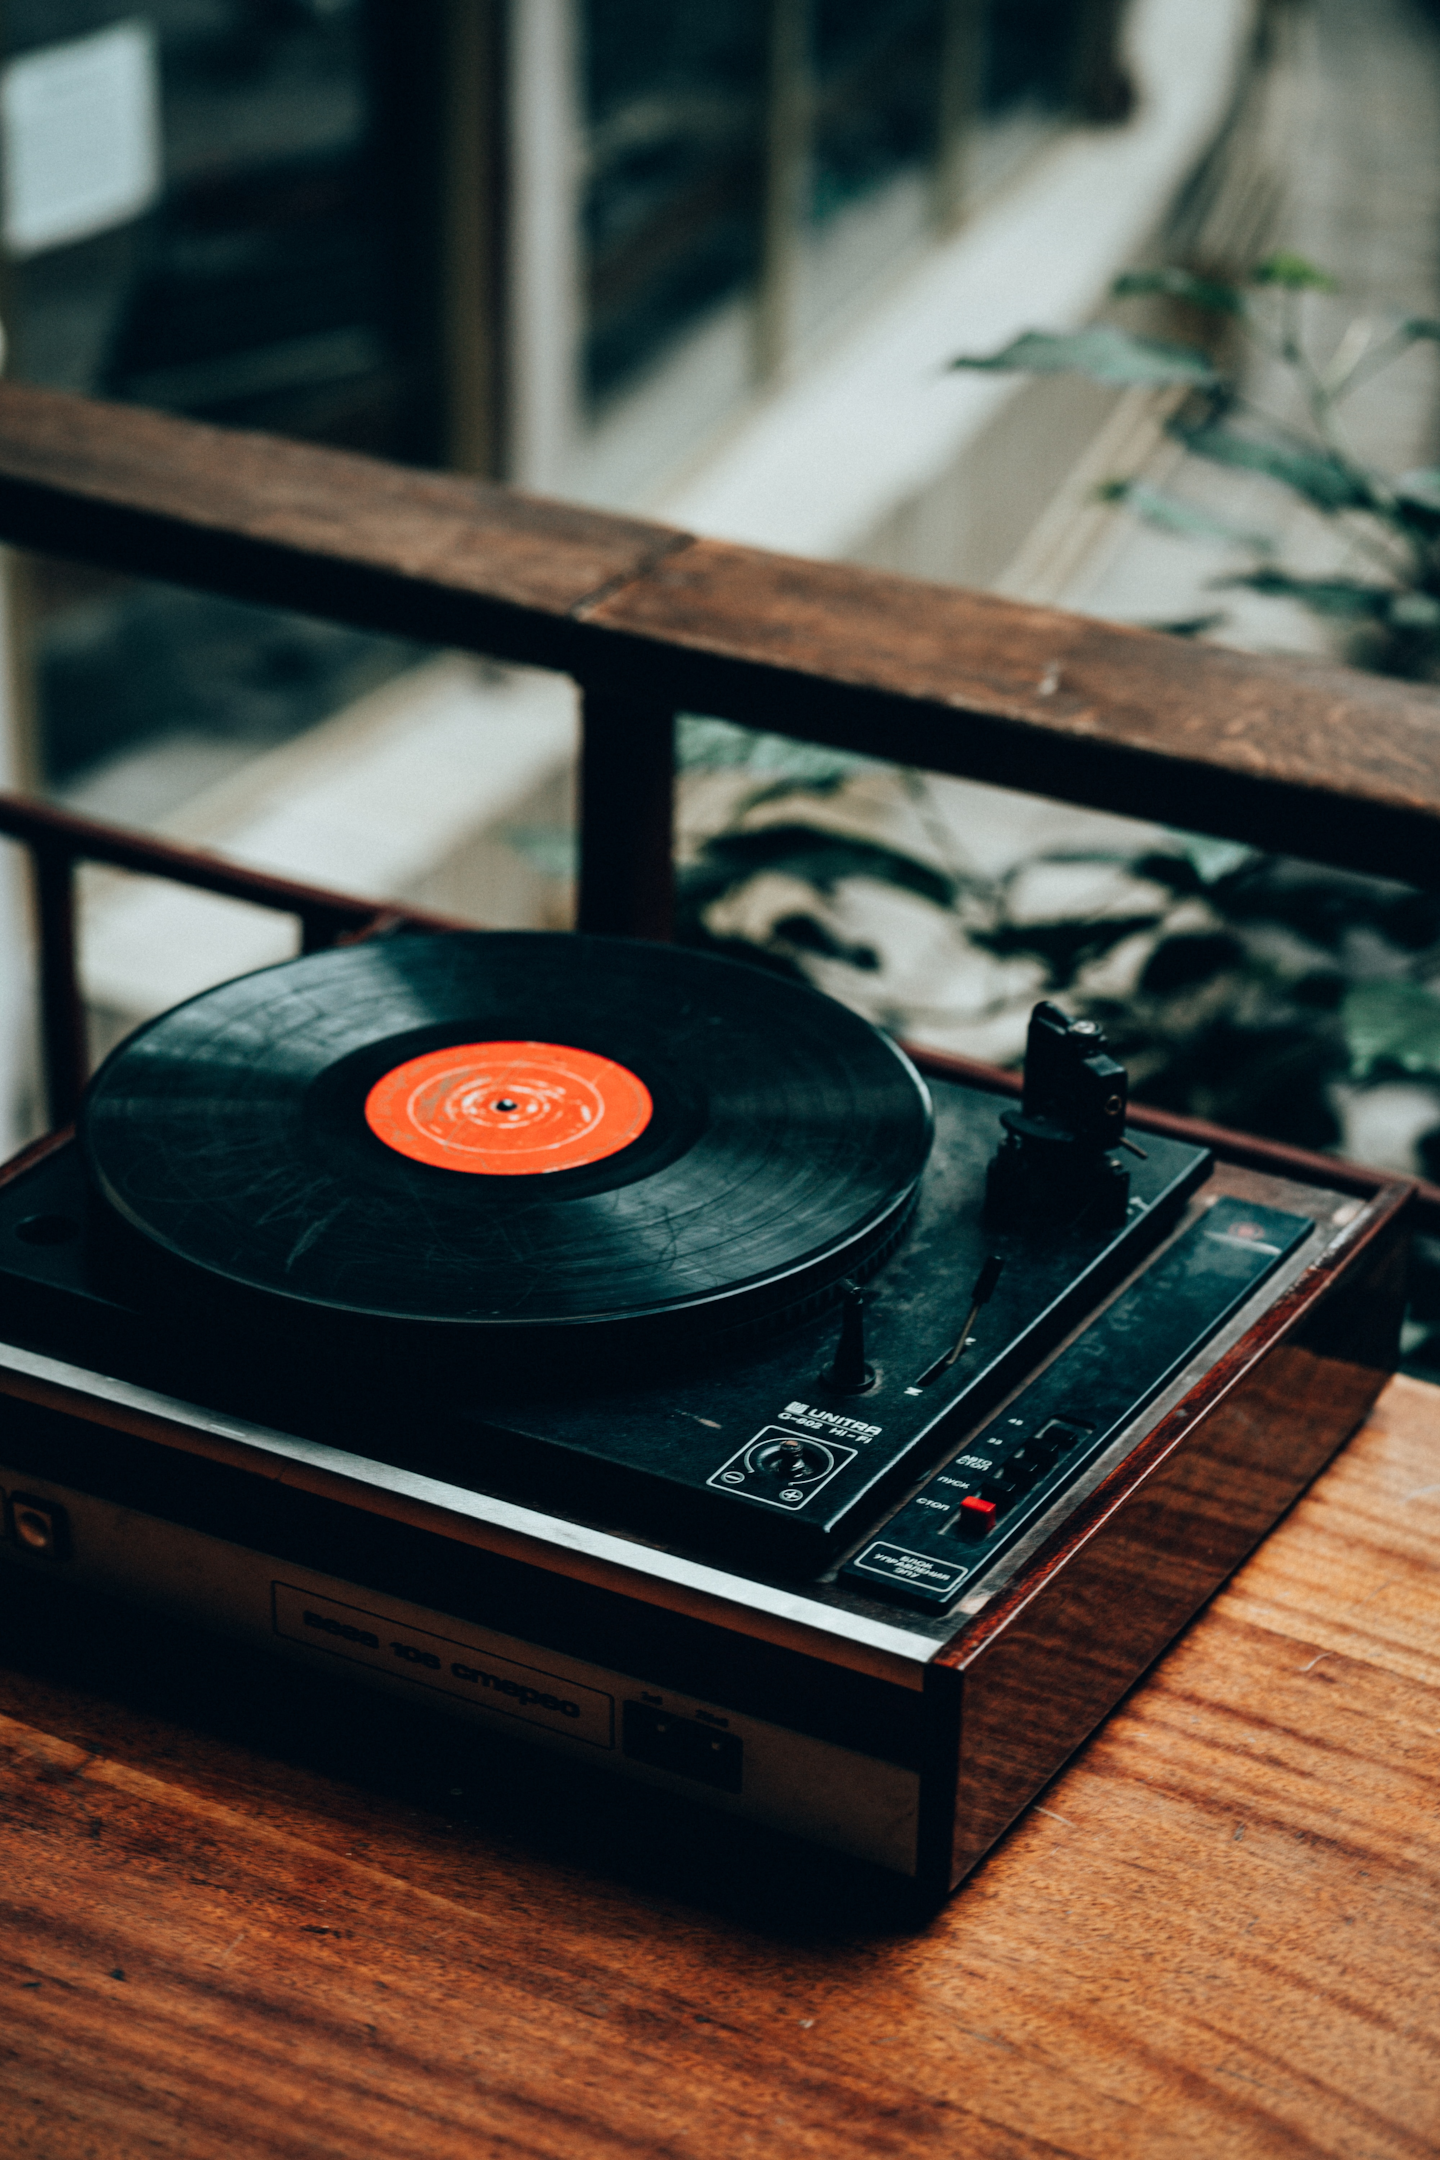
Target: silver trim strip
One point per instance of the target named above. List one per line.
(648, 1572)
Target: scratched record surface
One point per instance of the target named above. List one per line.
(515, 1133)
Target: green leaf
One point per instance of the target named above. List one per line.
(1391, 1025)
(807, 934)
(1421, 326)
(1415, 611)
(550, 849)
(1103, 353)
(1293, 272)
(1315, 474)
(1171, 514)
(1421, 486)
(1347, 597)
(1201, 292)
(1190, 626)
(817, 858)
(707, 745)
(1212, 859)
(1066, 945)
(1323, 596)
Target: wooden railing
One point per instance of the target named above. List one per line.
(1303, 759)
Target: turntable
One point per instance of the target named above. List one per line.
(631, 1351)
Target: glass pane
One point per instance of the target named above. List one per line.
(875, 69)
(294, 744)
(254, 286)
(255, 290)
(673, 102)
(287, 744)
(1030, 48)
(147, 695)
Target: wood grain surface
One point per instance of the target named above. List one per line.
(245, 1919)
(1316, 760)
(1312, 760)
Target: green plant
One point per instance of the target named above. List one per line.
(1263, 993)
(1269, 995)
(1391, 600)
(1237, 987)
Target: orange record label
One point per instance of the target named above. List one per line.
(508, 1109)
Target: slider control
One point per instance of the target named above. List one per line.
(848, 1373)
(981, 1292)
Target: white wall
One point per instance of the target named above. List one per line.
(834, 459)
(543, 241)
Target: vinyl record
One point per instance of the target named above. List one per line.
(510, 1135)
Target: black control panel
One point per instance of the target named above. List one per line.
(984, 1498)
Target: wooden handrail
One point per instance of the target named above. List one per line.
(1312, 760)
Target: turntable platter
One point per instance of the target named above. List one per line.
(512, 1132)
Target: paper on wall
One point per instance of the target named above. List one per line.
(79, 137)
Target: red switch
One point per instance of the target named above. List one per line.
(975, 1517)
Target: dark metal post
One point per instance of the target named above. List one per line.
(627, 818)
(62, 1014)
(1100, 88)
(962, 62)
(320, 928)
(789, 121)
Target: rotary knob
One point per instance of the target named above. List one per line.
(792, 1461)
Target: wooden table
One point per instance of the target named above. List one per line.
(242, 1919)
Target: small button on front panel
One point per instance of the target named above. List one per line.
(966, 1508)
(1005, 1466)
(684, 1746)
(39, 1527)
